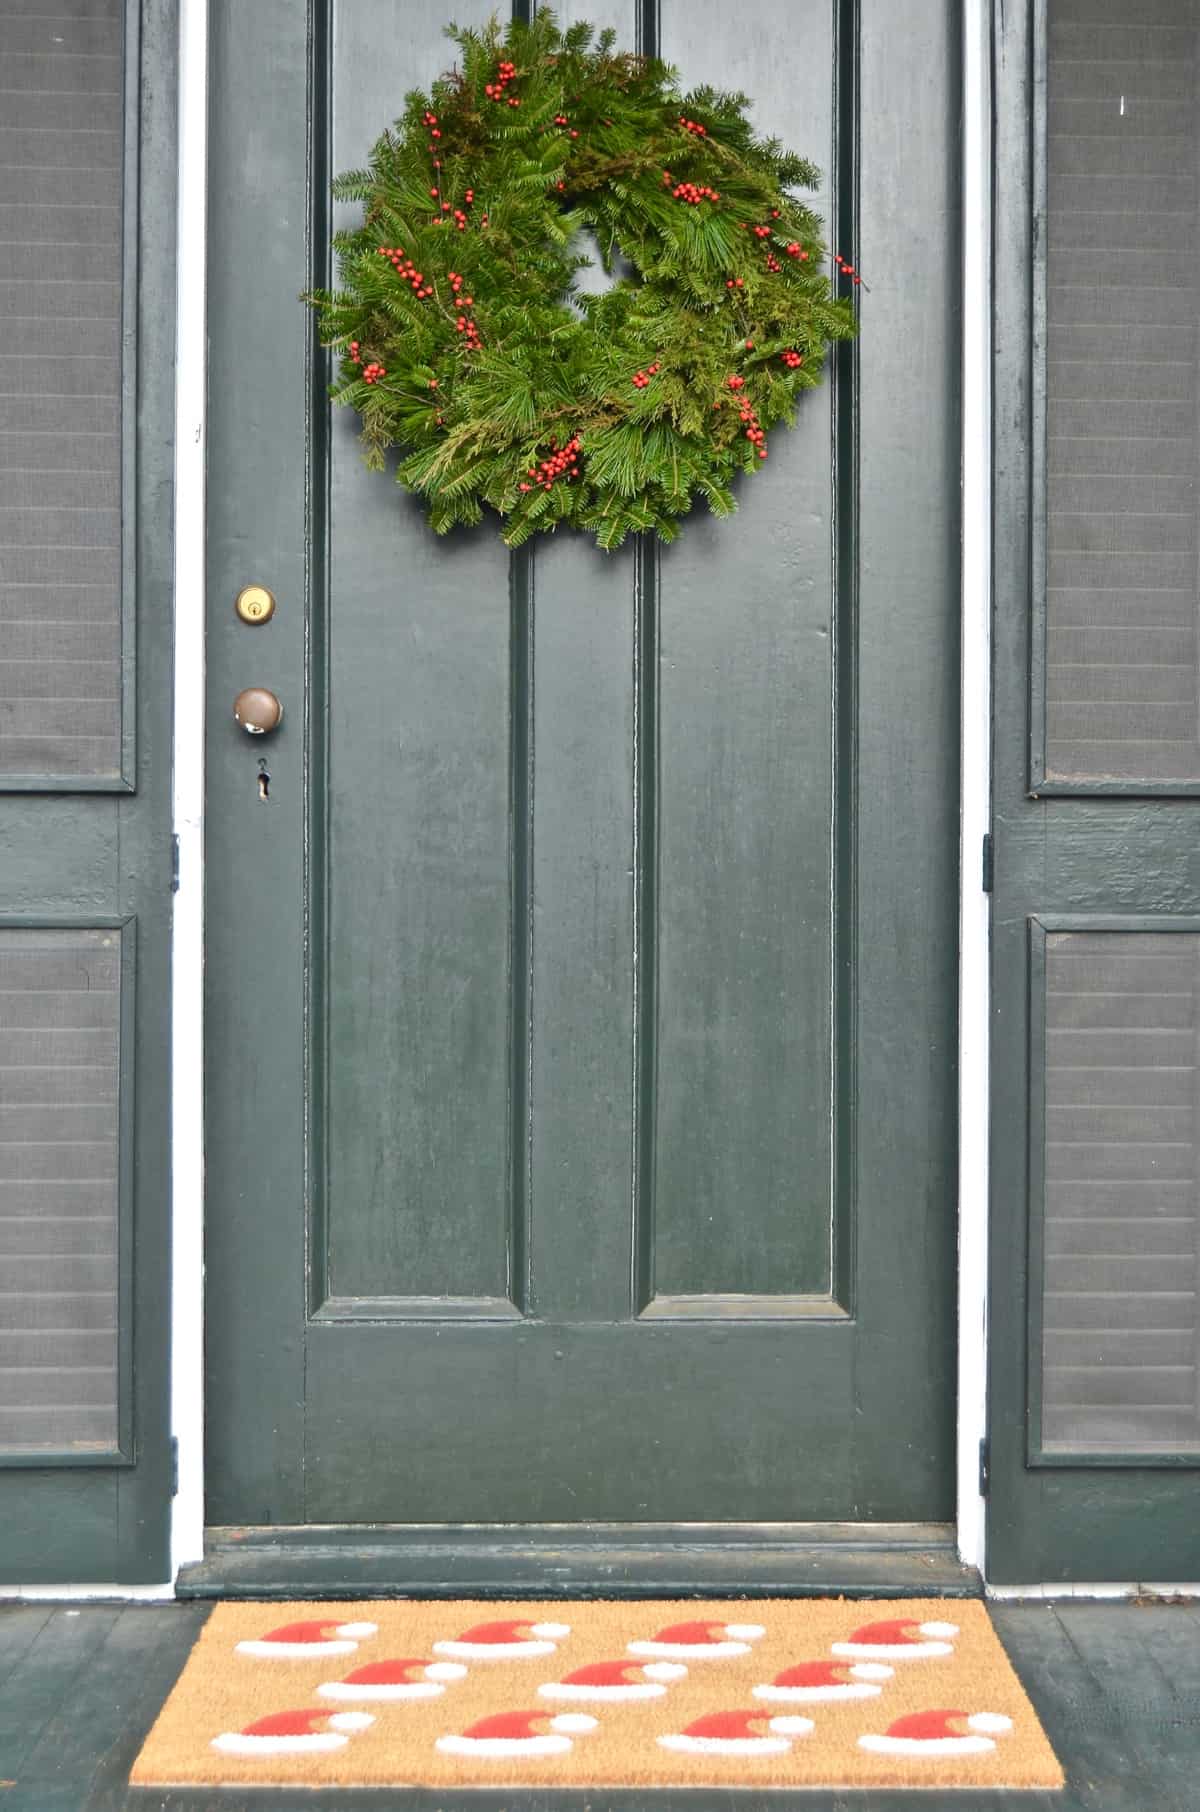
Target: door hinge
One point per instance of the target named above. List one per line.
(174, 1465)
(985, 1467)
(174, 862)
(988, 864)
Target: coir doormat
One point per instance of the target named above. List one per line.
(770, 1693)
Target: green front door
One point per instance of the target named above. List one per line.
(581, 967)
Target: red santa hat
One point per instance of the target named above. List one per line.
(938, 1733)
(406, 1678)
(738, 1733)
(512, 1733)
(306, 1732)
(612, 1682)
(826, 1682)
(700, 1641)
(898, 1639)
(517, 1639)
(308, 1641)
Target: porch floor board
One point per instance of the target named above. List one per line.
(1116, 1686)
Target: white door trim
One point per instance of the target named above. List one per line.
(187, 968)
(973, 992)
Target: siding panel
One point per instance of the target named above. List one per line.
(1121, 1228)
(61, 213)
(60, 1036)
(1122, 692)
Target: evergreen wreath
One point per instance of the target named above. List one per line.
(465, 344)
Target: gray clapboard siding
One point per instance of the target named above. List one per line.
(1122, 698)
(60, 1029)
(61, 214)
(1121, 1231)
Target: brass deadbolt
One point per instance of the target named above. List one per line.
(255, 604)
(257, 710)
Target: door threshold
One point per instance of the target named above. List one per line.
(567, 1560)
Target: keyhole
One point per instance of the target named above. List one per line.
(264, 781)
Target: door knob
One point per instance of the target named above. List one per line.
(257, 710)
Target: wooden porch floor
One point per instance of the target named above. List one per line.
(1117, 1687)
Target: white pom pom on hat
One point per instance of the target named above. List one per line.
(989, 1723)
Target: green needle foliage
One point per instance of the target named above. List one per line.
(465, 344)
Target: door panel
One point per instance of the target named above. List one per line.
(87, 225)
(581, 1077)
(1096, 1348)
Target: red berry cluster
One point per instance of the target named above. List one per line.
(456, 214)
(791, 360)
(693, 193)
(760, 232)
(795, 250)
(642, 378)
(373, 372)
(847, 270)
(560, 119)
(773, 263)
(753, 432)
(463, 323)
(693, 126)
(734, 283)
(354, 358)
(495, 90)
(562, 462)
(430, 120)
(403, 264)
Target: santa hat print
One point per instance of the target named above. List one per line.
(738, 1733)
(898, 1639)
(612, 1682)
(307, 1732)
(309, 1641)
(515, 1640)
(826, 1682)
(513, 1733)
(700, 1641)
(388, 1680)
(939, 1733)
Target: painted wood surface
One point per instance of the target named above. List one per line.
(581, 999)
(1126, 863)
(70, 857)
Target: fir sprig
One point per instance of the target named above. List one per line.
(462, 338)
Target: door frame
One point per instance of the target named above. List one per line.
(188, 1021)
